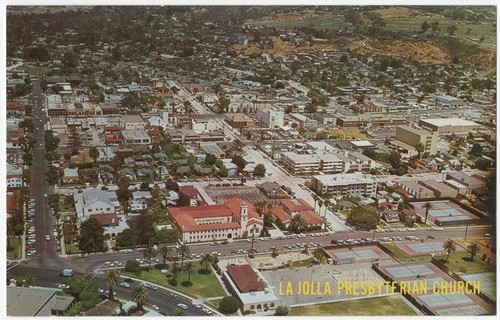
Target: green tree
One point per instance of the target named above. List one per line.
(476, 150)
(281, 311)
(482, 164)
(425, 26)
(149, 254)
(53, 175)
(94, 153)
(239, 161)
(166, 236)
(189, 269)
(91, 236)
(428, 206)
(140, 295)
(451, 29)
(210, 159)
(183, 200)
(420, 148)
(183, 251)
(126, 238)
(26, 280)
(165, 252)
(111, 278)
(298, 223)
(474, 250)
(228, 305)
(74, 140)
(133, 266)
(259, 170)
(206, 259)
(449, 246)
(363, 219)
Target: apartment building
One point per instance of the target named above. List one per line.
(271, 118)
(339, 185)
(413, 136)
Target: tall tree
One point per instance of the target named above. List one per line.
(420, 148)
(91, 236)
(449, 246)
(474, 250)
(150, 253)
(428, 206)
(189, 269)
(206, 259)
(140, 295)
(74, 140)
(183, 251)
(298, 223)
(111, 278)
(165, 252)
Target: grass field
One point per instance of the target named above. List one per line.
(476, 30)
(459, 260)
(16, 245)
(324, 22)
(204, 286)
(385, 306)
(400, 255)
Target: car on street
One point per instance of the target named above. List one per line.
(125, 285)
(47, 237)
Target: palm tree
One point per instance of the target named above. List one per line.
(420, 148)
(189, 269)
(149, 254)
(298, 223)
(315, 198)
(428, 206)
(449, 246)
(175, 269)
(165, 251)
(111, 278)
(473, 249)
(140, 295)
(183, 251)
(206, 259)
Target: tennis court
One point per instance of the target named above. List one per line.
(461, 311)
(426, 247)
(439, 300)
(444, 211)
(409, 271)
(364, 254)
(430, 282)
(488, 281)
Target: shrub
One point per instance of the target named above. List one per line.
(228, 305)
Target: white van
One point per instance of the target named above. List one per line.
(182, 306)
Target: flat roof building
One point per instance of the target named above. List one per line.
(449, 125)
(413, 137)
(339, 185)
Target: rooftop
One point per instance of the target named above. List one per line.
(442, 122)
(245, 278)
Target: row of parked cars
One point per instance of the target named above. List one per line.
(31, 235)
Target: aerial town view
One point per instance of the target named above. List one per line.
(250, 160)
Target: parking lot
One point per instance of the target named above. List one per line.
(249, 194)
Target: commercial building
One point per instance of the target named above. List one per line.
(200, 124)
(271, 118)
(449, 125)
(440, 189)
(339, 185)
(233, 219)
(418, 191)
(368, 120)
(413, 137)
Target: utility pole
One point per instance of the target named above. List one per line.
(466, 228)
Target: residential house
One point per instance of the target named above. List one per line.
(70, 175)
(95, 201)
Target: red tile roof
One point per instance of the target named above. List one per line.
(11, 200)
(312, 218)
(189, 191)
(298, 205)
(281, 215)
(106, 219)
(15, 106)
(245, 278)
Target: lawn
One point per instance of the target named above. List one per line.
(400, 255)
(16, 245)
(476, 30)
(460, 260)
(204, 286)
(385, 306)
